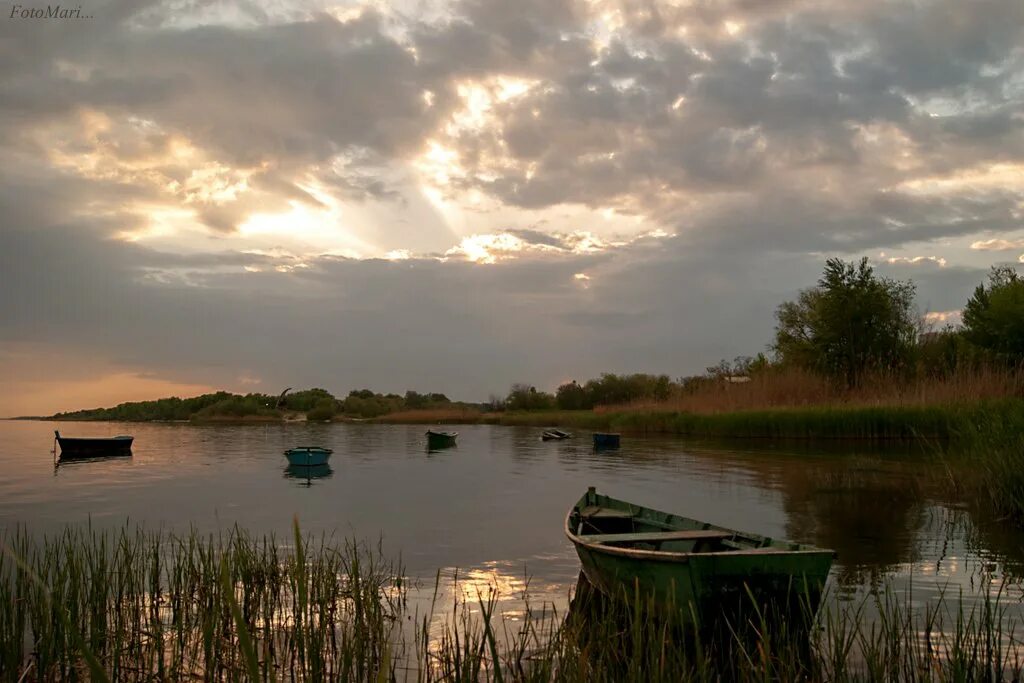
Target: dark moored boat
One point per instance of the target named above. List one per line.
(436, 440)
(91, 447)
(602, 440)
(555, 435)
(681, 562)
(308, 456)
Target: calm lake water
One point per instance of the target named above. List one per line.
(493, 507)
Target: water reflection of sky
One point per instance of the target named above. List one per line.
(494, 506)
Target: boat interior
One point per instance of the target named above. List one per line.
(643, 529)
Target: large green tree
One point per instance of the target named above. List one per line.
(852, 323)
(994, 316)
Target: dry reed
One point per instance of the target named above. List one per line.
(796, 388)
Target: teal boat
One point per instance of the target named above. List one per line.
(602, 440)
(437, 440)
(696, 567)
(308, 456)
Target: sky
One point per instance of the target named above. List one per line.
(455, 196)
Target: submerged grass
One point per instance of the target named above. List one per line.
(151, 606)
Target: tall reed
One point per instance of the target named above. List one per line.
(798, 388)
(151, 606)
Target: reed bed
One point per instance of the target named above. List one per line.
(133, 606)
(994, 457)
(780, 388)
(151, 606)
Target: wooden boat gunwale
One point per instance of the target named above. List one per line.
(677, 556)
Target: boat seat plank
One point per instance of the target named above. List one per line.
(658, 536)
(598, 512)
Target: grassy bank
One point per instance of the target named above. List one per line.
(955, 421)
(134, 606)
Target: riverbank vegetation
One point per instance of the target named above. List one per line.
(135, 605)
(309, 404)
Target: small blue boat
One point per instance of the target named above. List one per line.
(308, 456)
(603, 440)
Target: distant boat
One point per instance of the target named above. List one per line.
(603, 440)
(555, 435)
(91, 447)
(436, 440)
(308, 456)
(678, 561)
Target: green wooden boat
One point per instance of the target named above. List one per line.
(703, 570)
(437, 440)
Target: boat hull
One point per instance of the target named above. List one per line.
(606, 440)
(701, 587)
(307, 457)
(83, 447)
(705, 588)
(438, 440)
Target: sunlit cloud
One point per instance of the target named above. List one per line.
(943, 317)
(917, 260)
(488, 248)
(988, 177)
(997, 244)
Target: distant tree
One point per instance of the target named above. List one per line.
(571, 396)
(324, 410)
(361, 393)
(850, 324)
(304, 400)
(494, 404)
(994, 317)
(526, 397)
(414, 400)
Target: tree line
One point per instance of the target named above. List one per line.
(854, 325)
(316, 404)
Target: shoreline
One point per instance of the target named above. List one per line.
(947, 422)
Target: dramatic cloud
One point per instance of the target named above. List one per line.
(998, 245)
(460, 194)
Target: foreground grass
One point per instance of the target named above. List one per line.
(150, 605)
(134, 606)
